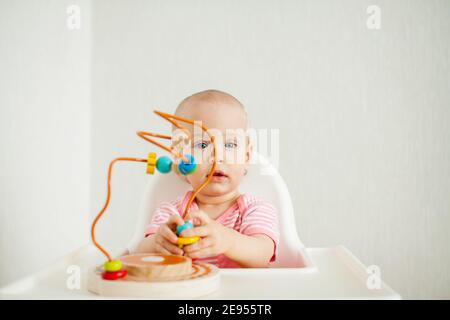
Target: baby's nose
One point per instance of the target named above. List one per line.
(219, 155)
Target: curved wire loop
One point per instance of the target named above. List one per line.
(174, 120)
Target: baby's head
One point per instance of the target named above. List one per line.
(226, 119)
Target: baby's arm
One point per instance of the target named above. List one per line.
(253, 251)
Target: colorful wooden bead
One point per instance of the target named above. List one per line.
(164, 164)
(186, 225)
(114, 275)
(151, 162)
(112, 266)
(187, 167)
(187, 240)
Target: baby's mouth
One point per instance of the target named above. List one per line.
(219, 174)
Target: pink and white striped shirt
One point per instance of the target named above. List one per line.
(249, 215)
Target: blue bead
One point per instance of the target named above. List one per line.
(187, 168)
(164, 164)
(186, 225)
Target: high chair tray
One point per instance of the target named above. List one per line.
(335, 274)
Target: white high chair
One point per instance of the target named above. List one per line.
(298, 272)
(261, 180)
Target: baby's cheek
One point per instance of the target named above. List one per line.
(192, 180)
(237, 178)
(196, 178)
(237, 172)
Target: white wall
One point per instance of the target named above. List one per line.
(364, 114)
(44, 134)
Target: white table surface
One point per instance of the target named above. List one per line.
(337, 275)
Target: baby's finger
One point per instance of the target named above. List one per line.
(167, 233)
(199, 245)
(203, 253)
(161, 249)
(175, 221)
(170, 247)
(201, 231)
(199, 215)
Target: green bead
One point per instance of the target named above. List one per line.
(113, 265)
(164, 164)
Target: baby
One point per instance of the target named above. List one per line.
(236, 230)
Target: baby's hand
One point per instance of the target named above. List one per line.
(166, 239)
(216, 238)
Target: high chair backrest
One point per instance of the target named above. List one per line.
(262, 180)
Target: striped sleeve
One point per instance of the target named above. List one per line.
(161, 215)
(260, 217)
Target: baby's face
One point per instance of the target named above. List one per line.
(227, 123)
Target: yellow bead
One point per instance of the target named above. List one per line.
(151, 163)
(187, 240)
(112, 266)
(150, 169)
(151, 158)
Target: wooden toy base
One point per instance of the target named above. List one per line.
(157, 276)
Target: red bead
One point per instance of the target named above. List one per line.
(114, 275)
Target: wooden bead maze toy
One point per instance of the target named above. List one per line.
(153, 275)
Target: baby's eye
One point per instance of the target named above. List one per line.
(201, 145)
(230, 145)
